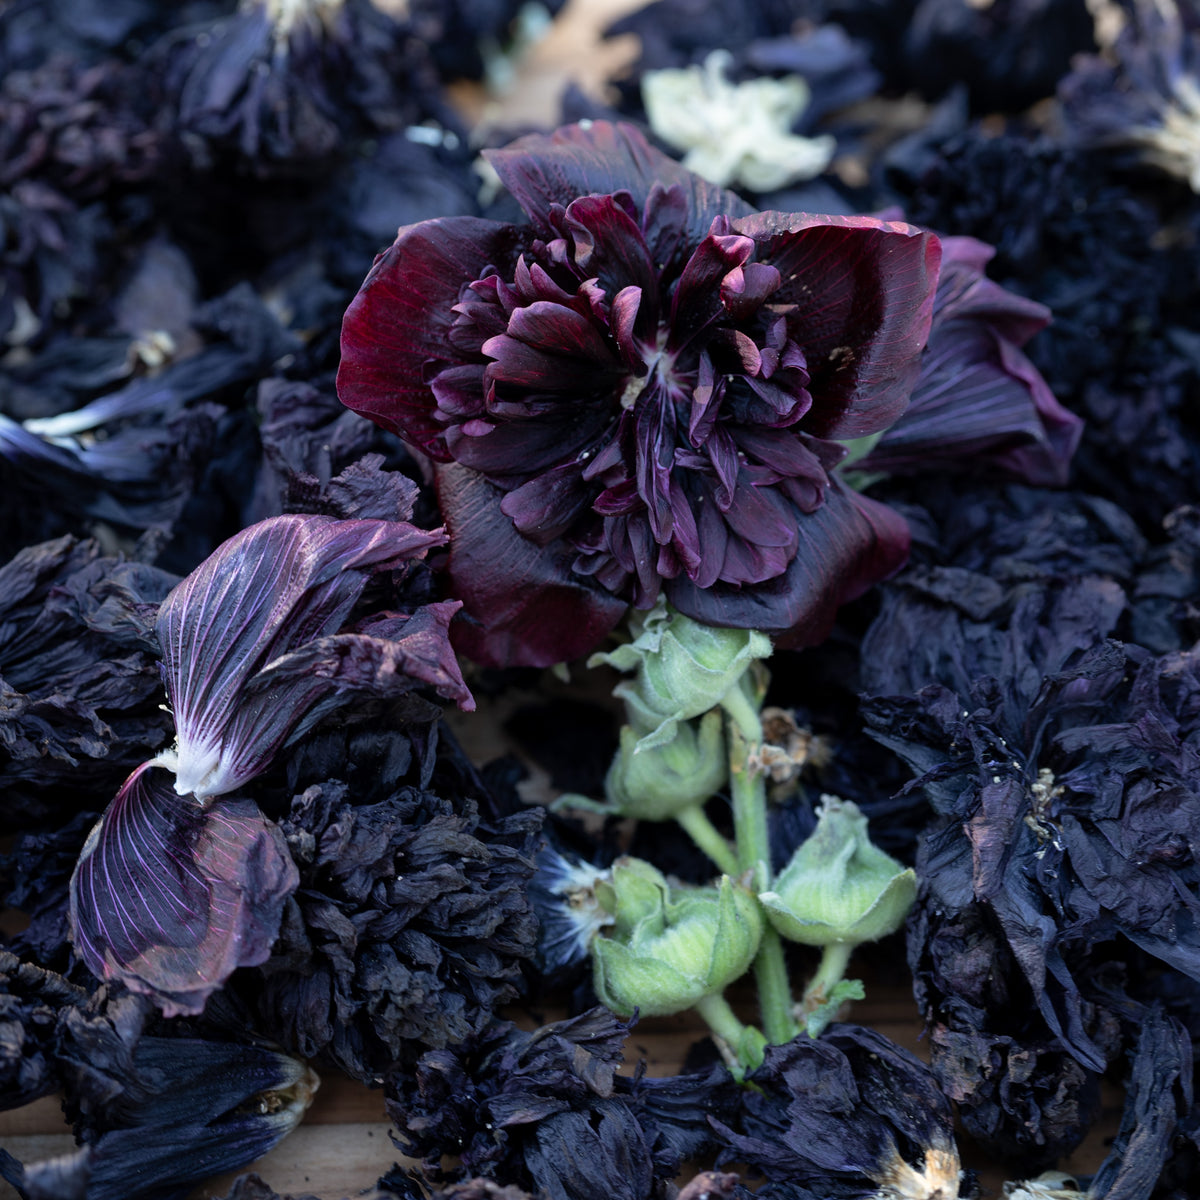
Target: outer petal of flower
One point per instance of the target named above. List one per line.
(400, 320)
(848, 544)
(862, 291)
(170, 898)
(531, 609)
(545, 169)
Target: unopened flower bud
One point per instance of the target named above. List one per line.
(656, 783)
(683, 669)
(671, 948)
(839, 887)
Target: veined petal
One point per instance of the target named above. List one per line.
(170, 898)
(860, 295)
(265, 592)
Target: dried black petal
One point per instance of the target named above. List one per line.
(407, 931)
(80, 693)
(849, 1110)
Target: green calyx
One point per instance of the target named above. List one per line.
(670, 948)
(839, 887)
(656, 783)
(683, 670)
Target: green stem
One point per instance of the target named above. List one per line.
(835, 958)
(748, 792)
(740, 1045)
(705, 834)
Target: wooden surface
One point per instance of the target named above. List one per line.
(342, 1146)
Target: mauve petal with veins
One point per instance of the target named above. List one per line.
(226, 630)
(170, 898)
(654, 339)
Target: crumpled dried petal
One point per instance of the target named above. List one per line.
(252, 653)
(170, 897)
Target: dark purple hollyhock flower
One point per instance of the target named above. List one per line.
(80, 697)
(408, 929)
(637, 392)
(256, 649)
(978, 400)
(171, 897)
(848, 1115)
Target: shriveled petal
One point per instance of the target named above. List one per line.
(861, 292)
(400, 321)
(545, 169)
(170, 898)
(529, 607)
(265, 592)
(849, 543)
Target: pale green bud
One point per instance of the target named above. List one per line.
(839, 887)
(671, 948)
(656, 783)
(683, 669)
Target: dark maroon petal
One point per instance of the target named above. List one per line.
(549, 504)
(383, 659)
(696, 303)
(169, 897)
(609, 245)
(846, 545)
(401, 319)
(545, 169)
(862, 291)
(529, 607)
(549, 347)
(263, 593)
(513, 452)
(745, 289)
(459, 391)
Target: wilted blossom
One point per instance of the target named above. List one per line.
(265, 616)
(155, 1111)
(547, 1111)
(646, 369)
(979, 402)
(408, 929)
(79, 689)
(848, 1116)
(284, 86)
(1142, 97)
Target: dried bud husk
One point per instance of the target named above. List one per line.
(838, 886)
(671, 948)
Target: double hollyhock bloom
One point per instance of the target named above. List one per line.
(641, 391)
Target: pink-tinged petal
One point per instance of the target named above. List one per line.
(846, 546)
(263, 593)
(545, 169)
(745, 289)
(401, 319)
(527, 606)
(169, 898)
(964, 291)
(979, 402)
(861, 294)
